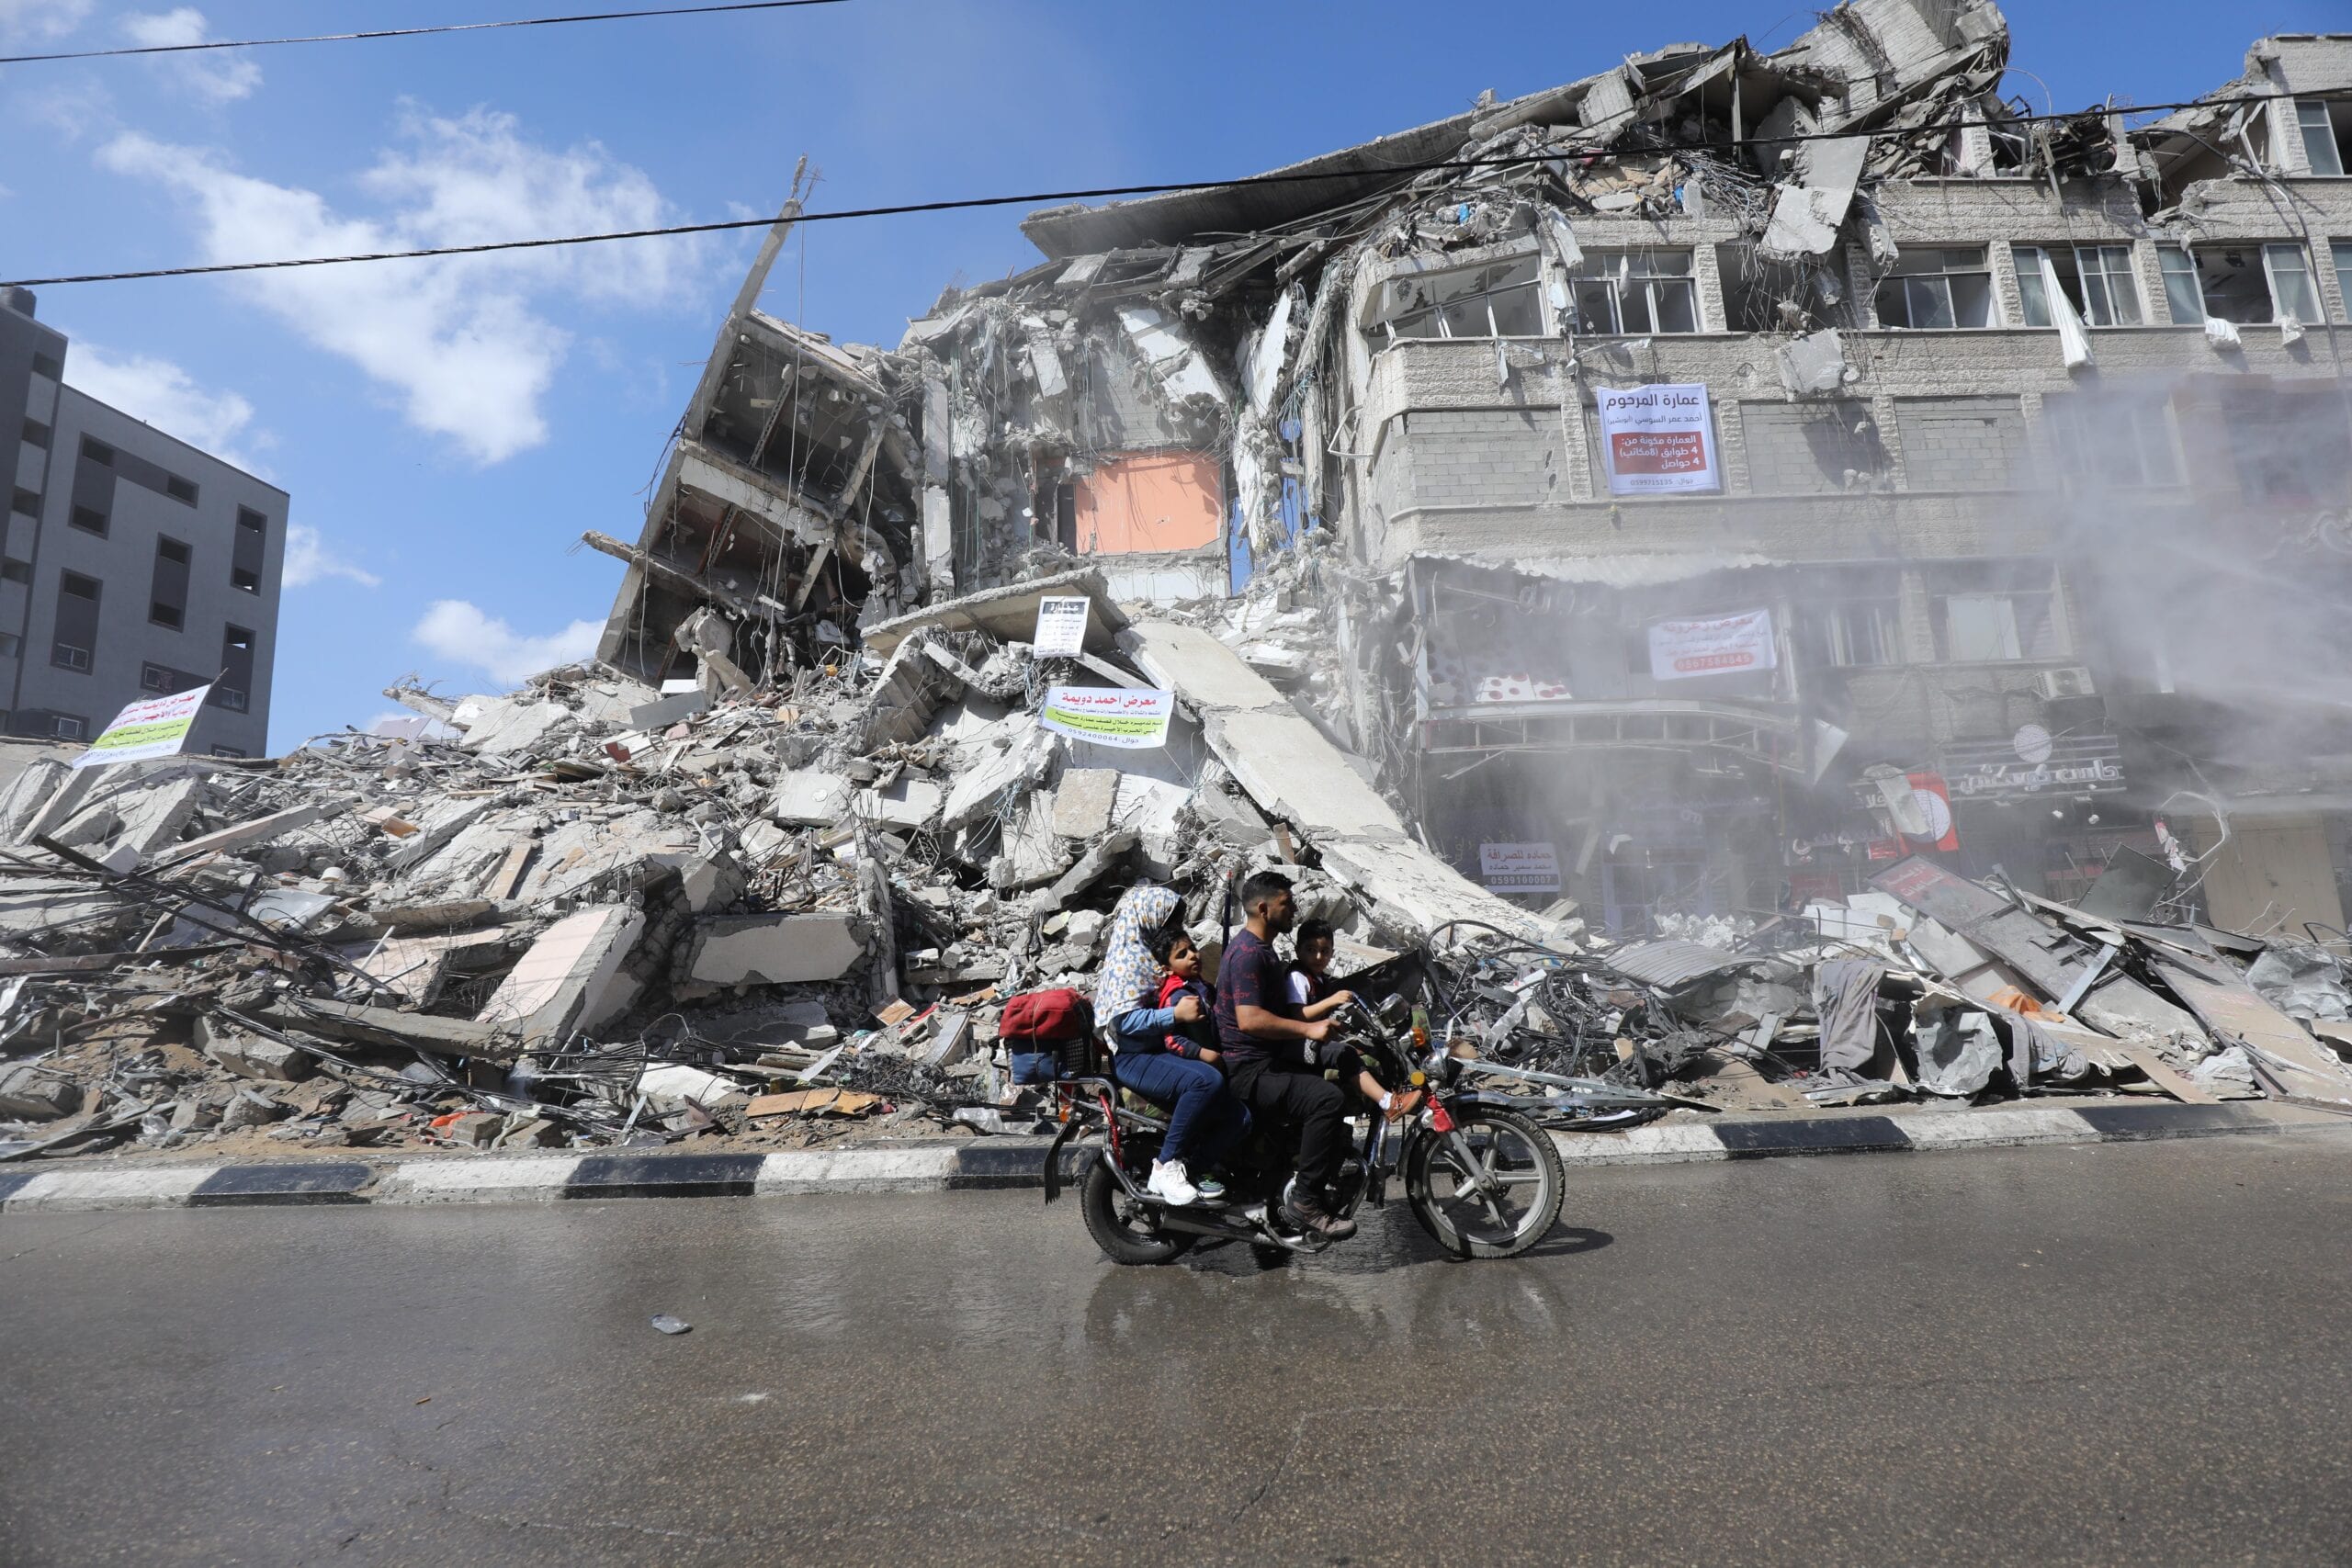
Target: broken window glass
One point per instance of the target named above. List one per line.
(1939, 288)
(2097, 279)
(2324, 147)
(2183, 295)
(1496, 300)
(1633, 293)
(2109, 441)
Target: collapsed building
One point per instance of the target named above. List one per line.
(1786, 572)
(1963, 393)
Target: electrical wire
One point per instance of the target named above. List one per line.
(962, 203)
(411, 32)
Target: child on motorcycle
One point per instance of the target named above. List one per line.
(1175, 952)
(1316, 997)
(1165, 1068)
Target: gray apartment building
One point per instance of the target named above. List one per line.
(133, 566)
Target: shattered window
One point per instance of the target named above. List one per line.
(2253, 283)
(1633, 293)
(2324, 145)
(2097, 279)
(1937, 289)
(2182, 295)
(2111, 441)
(1477, 302)
(1996, 613)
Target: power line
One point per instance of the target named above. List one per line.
(413, 32)
(971, 203)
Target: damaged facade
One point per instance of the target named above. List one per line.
(1782, 572)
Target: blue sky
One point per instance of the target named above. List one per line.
(447, 429)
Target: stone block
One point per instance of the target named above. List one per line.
(1083, 802)
(252, 1056)
(560, 983)
(27, 1094)
(772, 949)
(807, 798)
(909, 804)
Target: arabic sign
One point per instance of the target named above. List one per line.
(1716, 645)
(1656, 439)
(1519, 868)
(1061, 627)
(156, 727)
(1107, 715)
(2067, 764)
(1933, 795)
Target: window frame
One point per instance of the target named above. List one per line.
(2304, 109)
(2271, 252)
(2175, 276)
(97, 452)
(1906, 275)
(1497, 283)
(2014, 586)
(2339, 256)
(2069, 424)
(2033, 293)
(1834, 628)
(1615, 283)
(74, 515)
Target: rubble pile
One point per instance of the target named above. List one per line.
(592, 911)
(1935, 987)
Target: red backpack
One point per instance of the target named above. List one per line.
(1050, 1034)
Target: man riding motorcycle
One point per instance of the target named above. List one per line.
(1269, 1053)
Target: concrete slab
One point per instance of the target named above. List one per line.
(560, 983)
(806, 798)
(1083, 801)
(772, 949)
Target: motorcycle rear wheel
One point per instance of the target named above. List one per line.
(1445, 1196)
(1123, 1241)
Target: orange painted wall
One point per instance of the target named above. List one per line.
(1162, 501)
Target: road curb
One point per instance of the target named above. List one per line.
(1010, 1163)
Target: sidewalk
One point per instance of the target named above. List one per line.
(1001, 1163)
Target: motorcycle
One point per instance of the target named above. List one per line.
(1478, 1173)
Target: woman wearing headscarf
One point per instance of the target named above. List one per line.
(1164, 1067)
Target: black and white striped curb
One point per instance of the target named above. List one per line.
(1019, 1163)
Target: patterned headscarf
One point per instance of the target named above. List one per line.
(1130, 975)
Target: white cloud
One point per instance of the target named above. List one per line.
(308, 560)
(468, 343)
(219, 74)
(165, 396)
(42, 18)
(463, 634)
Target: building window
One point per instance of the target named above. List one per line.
(2342, 250)
(2327, 135)
(2253, 283)
(229, 697)
(97, 452)
(50, 366)
(2107, 441)
(2184, 296)
(1633, 293)
(65, 727)
(1998, 613)
(16, 570)
(27, 501)
(180, 489)
(244, 580)
(165, 614)
(90, 520)
(154, 678)
(251, 522)
(172, 550)
(2097, 279)
(75, 585)
(67, 656)
(230, 751)
(1937, 289)
(1476, 301)
(35, 434)
(238, 639)
(1857, 633)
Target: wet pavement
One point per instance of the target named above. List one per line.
(2082, 1354)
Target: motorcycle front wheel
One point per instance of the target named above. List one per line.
(1123, 1241)
(1491, 1187)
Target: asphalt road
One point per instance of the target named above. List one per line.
(2091, 1354)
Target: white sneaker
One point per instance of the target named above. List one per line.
(1170, 1183)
